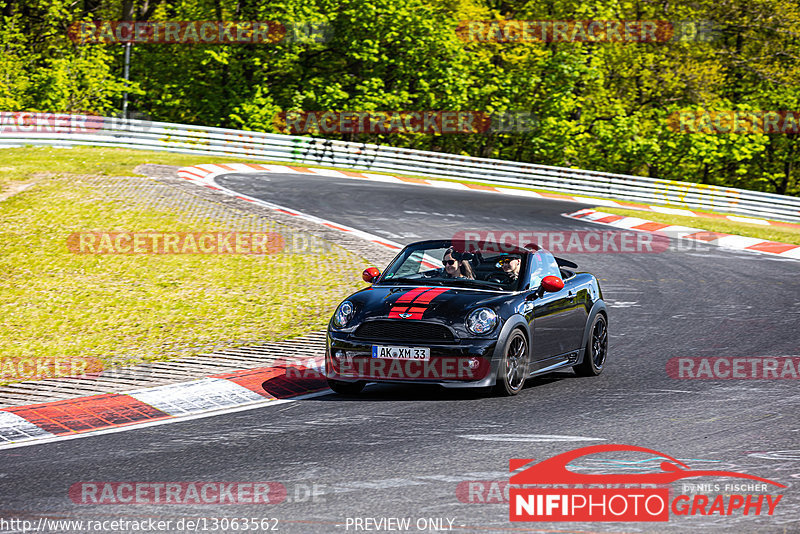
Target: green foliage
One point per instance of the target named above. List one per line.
(14, 84)
(598, 105)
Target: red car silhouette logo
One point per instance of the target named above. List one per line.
(554, 470)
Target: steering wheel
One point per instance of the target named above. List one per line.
(499, 278)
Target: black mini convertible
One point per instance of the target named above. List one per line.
(467, 314)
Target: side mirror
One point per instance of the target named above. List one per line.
(551, 284)
(371, 273)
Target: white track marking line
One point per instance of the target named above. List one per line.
(602, 202)
(535, 438)
(749, 220)
(794, 253)
(737, 241)
(672, 211)
(520, 193)
(383, 178)
(328, 172)
(628, 222)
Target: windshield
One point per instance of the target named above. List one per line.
(440, 263)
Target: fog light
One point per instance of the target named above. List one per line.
(474, 363)
(338, 354)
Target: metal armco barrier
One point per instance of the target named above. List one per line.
(19, 129)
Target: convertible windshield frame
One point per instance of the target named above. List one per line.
(426, 268)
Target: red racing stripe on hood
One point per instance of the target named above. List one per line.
(426, 297)
(421, 299)
(408, 296)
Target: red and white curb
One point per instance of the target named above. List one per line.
(205, 174)
(114, 412)
(737, 242)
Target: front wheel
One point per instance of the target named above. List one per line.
(513, 368)
(346, 388)
(596, 349)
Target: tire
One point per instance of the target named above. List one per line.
(346, 388)
(513, 370)
(594, 357)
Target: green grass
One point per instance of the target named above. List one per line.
(781, 234)
(122, 309)
(19, 164)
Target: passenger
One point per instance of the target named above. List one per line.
(455, 266)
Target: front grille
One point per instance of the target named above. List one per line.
(405, 330)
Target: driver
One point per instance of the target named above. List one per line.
(510, 266)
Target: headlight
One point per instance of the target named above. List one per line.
(481, 321)
(343, 314)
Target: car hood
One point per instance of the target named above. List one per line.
(421, 303)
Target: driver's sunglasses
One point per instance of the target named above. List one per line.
(449, 262)
(506, 261)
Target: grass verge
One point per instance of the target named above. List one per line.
(61, 312)
(18, 164)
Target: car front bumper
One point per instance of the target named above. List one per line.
(468, 363)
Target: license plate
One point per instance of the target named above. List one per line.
(401, 353)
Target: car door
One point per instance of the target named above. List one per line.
(578, 306)
(554, 316)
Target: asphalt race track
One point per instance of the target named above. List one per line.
(401, 452)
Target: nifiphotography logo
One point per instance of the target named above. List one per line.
(549, 491)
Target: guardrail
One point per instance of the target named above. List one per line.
(19, 129)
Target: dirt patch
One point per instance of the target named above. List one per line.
(13, 188)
